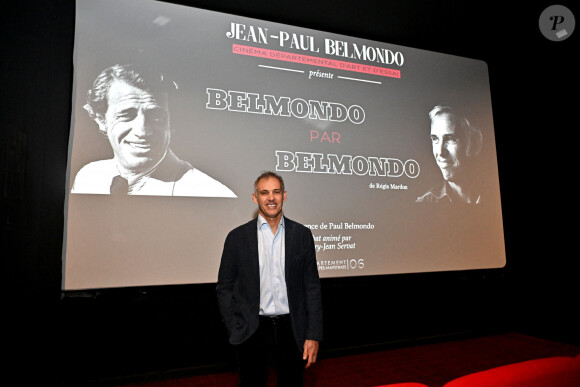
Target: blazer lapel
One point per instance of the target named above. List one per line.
(252, 232)
(288, 243)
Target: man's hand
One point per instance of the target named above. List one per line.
(310, 351)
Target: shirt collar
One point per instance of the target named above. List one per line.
(135, 177)
(262, 221)
(447, 192)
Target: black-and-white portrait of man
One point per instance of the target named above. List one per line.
(131, 109)
(456, 147)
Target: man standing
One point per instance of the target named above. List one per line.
(456, 146)
(269, 291)
(131, 109)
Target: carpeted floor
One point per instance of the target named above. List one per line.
(431, 364)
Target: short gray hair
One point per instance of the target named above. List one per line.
(268, 174)
(460, 120)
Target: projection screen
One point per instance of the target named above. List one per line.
(344, 121)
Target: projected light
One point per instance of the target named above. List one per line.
(384, 187)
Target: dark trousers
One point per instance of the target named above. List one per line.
(272, 344)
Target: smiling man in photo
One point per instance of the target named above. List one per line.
(130, 107)
(456, 145)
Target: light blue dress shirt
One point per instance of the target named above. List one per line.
(273, 294)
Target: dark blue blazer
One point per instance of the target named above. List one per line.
(238, 285)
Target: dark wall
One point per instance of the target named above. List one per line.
(111, 333)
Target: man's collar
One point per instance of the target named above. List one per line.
(140, 175)
(262, 221)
